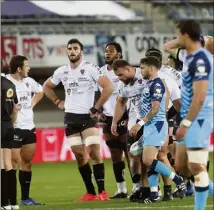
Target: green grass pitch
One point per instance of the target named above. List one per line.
(59, 184)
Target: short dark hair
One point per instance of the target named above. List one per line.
(190, 27)
(151, 61)
(155, 53)
(75, 41)
(117, 47)
(119, 63)
(15, 62)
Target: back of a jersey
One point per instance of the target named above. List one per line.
(200, 67)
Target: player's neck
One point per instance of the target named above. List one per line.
(193, 47)
(76, 64)
(153, 76)
(109, 67)
(16, 77)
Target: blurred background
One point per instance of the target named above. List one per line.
(40, 30)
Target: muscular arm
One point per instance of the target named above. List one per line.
(119, 109)
(199, 93)
(153, 111)
(107, 87)
(37, 98)
(48, 87)
(172, 47)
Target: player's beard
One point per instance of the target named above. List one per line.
(109, 62)
(76, 59)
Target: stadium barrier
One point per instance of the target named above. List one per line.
(52, 146)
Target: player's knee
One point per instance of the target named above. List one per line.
(162, 156)
(147, 161)
(197, 161)
(25, 164)
(196, 168)
(116, 151)
(95, 155)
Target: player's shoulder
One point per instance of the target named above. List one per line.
(157, 82)
(62, 69)
(7, 83)
(89, 65)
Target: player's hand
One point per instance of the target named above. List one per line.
(94, 114)
(101, 117)
(181, 132)
(61, 105)
(114, 129)
(134, 130)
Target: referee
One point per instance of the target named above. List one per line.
(9, 108)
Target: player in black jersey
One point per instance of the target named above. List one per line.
(8, 115)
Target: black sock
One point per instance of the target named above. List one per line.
(4, 188)
(25, 180)
(99, 175)
(146, 192)
(86, 174)
(119, 171)
(192, 179)
(136, 178)
(208, 165)
(167, 189)
(12, 186)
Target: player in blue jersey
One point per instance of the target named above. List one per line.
(196, 107)
(153, 117)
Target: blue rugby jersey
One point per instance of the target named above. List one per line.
(199, 66)
(154, 91)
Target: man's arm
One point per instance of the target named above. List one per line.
(108, 89)
(199, 94)
(153, 111)
(48, 87)
(119, 109)
(172, 47)
(37, 98)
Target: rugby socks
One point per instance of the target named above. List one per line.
(12, 186)
(25, 180)
(201, 190)
(119, 173)
(168, 189)
(153, 183)
(4, 188)
(162, 169)
(99, 175)
(86, 174)
(211, 191)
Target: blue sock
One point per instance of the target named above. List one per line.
(162, 169)
(201, 190)
(153, 183)
(211, 192)
(201, 194)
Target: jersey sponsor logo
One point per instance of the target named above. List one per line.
(83, 79)
(158, 92)
(23, 98)
(73, 84)
(69, 91)
(65, 79)
(10, 93)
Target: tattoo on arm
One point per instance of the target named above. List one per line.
(153, 111)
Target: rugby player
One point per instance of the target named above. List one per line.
(196, 108)
(116, 144)
(24, 143)
(129, 94)
(80, 79)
